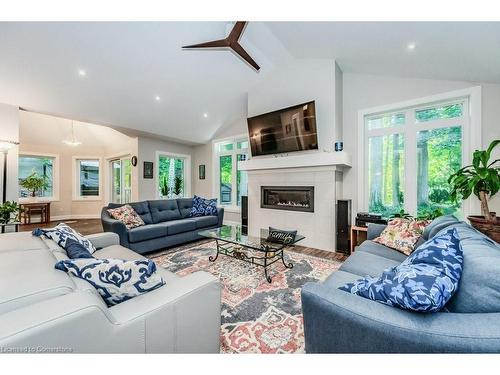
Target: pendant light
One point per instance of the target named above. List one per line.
(73, 142)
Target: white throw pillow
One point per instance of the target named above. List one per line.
(61, 233)
(116, 280)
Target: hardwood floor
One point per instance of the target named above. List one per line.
(84, 226)
(91, 226)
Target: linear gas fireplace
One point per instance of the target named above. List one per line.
(291, 198)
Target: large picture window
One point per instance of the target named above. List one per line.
(232, 183)
(41, 166)
(409, 155)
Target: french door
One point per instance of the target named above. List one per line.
(121, 180)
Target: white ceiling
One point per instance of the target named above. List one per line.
(128, 64)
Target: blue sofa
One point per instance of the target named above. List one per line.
(168, 223)
(339, 322)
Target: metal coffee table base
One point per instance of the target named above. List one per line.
(236, 251)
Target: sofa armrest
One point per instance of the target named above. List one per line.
(101, 240)
(374, 230)
(112, 225)
(339, 322)
(220, 214)
(183, 316)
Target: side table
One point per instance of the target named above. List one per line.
(358, 235)
(14, 223)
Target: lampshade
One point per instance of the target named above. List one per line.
(6, 145)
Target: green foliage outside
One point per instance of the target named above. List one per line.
(438, 156)
(34, 183)
(171, 177)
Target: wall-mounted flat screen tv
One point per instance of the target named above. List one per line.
(286, 130)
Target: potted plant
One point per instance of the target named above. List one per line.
(9, 211)
(483, 179)
(34, 183)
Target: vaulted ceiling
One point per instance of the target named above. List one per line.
(135, 76)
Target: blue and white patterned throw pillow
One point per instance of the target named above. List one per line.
(204, 207)
(116, 280)
(61, 233)
(424, 282)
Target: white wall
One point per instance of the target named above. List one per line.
(97, 141)
(299, 82)
(366, 91)
(9, 130)
(147, 149)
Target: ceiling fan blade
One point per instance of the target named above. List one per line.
(212, 44)
(236, 47)
(237, 30)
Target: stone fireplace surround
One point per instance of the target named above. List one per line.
(321, 170)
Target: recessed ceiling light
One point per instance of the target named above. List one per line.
(82, 73)
(411, 46)
(157, 98)
(205, 115)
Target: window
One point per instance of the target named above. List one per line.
(232, 183)
(41, 166)
(87, 178)
(409, 155)
(121, 180)
(172, 176)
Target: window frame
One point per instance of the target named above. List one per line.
(76, 179)
(55, 175)
(187, 172)
(233, 207)
(471, 139)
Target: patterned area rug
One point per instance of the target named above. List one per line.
(257, 317)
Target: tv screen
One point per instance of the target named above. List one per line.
(286, 130)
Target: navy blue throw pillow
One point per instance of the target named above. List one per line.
(203, 207)
(424, 282)
(76, 250)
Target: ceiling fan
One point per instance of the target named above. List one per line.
(231, 42)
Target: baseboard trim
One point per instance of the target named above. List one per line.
(73, 217)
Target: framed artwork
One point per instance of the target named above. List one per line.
(148, 169)
(201, 171)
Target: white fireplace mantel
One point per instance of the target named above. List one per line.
(314, 159)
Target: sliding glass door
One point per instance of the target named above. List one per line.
(121, 180)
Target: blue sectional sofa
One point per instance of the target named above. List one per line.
(168, 223)
(339, 322)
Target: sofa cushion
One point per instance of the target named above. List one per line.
(179, 226)
(424, 282)
(437, 225)
(205, 221)
(381, 250)
(365, 264)
(479, 287)
(185, 205)
(146, 232)
(29, 277)
(61, 233)
(142, 208)
(21, 241)
(164, 210)
(116, 280)
(117, 252)
(340, 278)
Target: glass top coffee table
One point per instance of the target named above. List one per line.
(233, 241)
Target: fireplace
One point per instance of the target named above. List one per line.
(291, 198)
